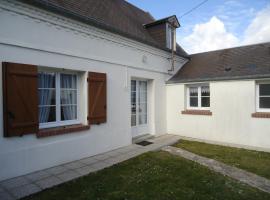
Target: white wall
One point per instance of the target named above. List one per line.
(232, 103)
(29, 35)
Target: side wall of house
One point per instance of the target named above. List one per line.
(232, 103)
(32, 36)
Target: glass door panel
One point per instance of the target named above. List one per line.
(142, 102)
(138, 102)
(133, 103)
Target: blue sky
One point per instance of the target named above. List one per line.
(217, 23)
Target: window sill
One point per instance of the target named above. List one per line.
(62, 130)
(196, 112)
(261, 115)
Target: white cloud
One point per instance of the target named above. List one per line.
(259, 28)
(213, 34)
(209, 36)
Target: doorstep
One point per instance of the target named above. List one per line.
(28, 184)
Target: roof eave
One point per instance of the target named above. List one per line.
(90, 21)
(163, 20)
(258, 76)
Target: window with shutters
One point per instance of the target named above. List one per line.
(58, 98)
(198, 97)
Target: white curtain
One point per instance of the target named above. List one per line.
(193, 91)
(68, 97)
(205, 89)
(46, 93)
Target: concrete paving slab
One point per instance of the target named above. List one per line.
(99, 165)
(57, 170)
(14, 182)
(84, 170)
(68, 175)
(37, 175)
(48, 182)
(101, 157)
(89, 161)
(25, 190)
(74, 165)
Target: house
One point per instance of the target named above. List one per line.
(223, 97)
(80, 78)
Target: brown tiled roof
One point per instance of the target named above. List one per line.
(113, 15)
(244, 62)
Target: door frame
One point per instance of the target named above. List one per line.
(142, 129)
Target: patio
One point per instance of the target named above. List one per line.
(22, 186)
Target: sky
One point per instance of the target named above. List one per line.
(217, 24)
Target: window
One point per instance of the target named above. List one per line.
(198, 97)
(171, 37)
(58, 96)
(263, 97)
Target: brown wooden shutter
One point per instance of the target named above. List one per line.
(97, 98)
(20, 99)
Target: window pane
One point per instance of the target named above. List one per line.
(46, 80)
(133, 85)
(265, 90)
(264, 102)
(68, 113)
(143, 108)
(205, 102)
(193, 102)
(193, 91)
(68, 97)
(46, 96)
(133, 108)
(133, 120)
(47, 114)
(68, 81)
(205, 91)
(142, 119)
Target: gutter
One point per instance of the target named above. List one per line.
(259, 76)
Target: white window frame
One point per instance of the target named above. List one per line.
(58, 121)
(137, 80)
(258, 109)
(199, 107)
(169, 38)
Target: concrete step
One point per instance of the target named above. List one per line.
(142, 138)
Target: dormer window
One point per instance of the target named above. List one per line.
(170, 37)
(163, 31)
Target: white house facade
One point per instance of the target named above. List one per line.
(79, 80)
(223, 97)
(65, 51)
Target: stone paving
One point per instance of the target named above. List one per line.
(22, 186)
(233, 172)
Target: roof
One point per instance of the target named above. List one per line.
(117, 16)
(245, 62)
(172, 19)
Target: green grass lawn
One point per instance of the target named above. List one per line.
(154, 175)
(254, 161)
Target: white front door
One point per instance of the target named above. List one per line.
(139, 108)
